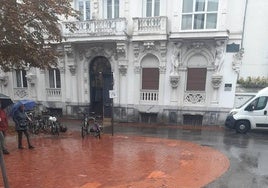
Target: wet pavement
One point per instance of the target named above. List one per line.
(121, 160)
(140, 156)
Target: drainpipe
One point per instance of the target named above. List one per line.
(244, 23)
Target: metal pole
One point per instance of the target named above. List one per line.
(112, 116)
(3, 169)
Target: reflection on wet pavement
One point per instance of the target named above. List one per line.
(113, 161)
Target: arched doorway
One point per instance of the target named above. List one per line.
(101, 81)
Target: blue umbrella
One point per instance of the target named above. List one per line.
(28, 105)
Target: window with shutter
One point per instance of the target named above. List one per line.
(150, 78)
(196, 79)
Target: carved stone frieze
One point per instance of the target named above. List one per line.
(149, 45)
(195, 98)
(136, 49)
(21, 93)
(121, 50)
(100, 51)
(237, 60)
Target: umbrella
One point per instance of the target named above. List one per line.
(5, 101)
(28, 105)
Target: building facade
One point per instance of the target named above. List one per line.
(174, 61)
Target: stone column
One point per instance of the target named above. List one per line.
(121, 52)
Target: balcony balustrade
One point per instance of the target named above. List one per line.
(53, 94)
(150, 25)
(95, 28)
(149, 96)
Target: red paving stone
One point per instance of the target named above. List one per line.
(119, 161)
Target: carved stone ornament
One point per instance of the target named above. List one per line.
(174, 81)
(31, 78)
(72, 69)
(162, 69)
(216, 81)
(4, 80)
(121, 50)
(123, 70)
(149, 45)
(237, 60)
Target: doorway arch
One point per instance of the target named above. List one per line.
(101, 81)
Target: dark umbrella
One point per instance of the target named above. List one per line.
(5, 101)
(28, 105)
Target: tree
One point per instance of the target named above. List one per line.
(30, 32)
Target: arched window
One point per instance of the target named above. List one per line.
(196, 73)
(150, 73)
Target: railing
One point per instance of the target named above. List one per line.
(150, 25)
(53, 92)
(149, 95)
(195, 97)
(96, 27)
(20, 93)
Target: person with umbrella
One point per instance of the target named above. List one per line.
(20, 118)
(4, 102)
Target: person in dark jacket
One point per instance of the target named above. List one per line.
(3, 129)
(20, 119)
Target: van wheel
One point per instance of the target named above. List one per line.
(242, 126)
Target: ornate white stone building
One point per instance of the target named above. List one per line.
(170, 61)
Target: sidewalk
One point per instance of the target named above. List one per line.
(119, 161)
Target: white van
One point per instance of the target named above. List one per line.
(251, 115)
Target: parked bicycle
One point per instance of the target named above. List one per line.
(91, 125)
(45, 123)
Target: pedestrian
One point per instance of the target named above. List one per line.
(3, 129)
(20, 118)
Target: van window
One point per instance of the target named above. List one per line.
(258, 103)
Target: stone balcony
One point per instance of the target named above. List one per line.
(150, 28)
(96, 30)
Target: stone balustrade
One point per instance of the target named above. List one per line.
(149, 96)
(96, 27)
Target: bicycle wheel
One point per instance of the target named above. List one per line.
(55, 129)
(83, 130)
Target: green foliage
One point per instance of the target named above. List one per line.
(253, 82)
(29, 30)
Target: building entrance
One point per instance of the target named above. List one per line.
(101, 79)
